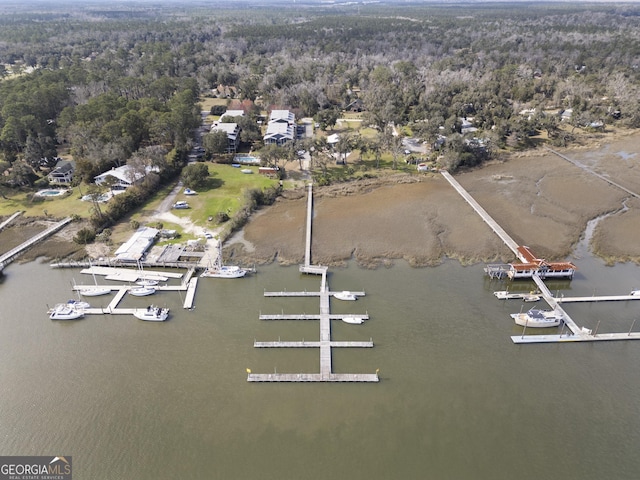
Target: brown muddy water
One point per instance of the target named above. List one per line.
(457, 399)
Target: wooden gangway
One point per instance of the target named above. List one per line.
(9, 220)
(305, 316)
(313, 344)
(598, 298)
(307, 249)
(12, 254)
(504, 236)
(595, 174)
(286, 293)
(313, 377)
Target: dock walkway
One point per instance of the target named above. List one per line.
(14, 253)
(324, 344)
(506, 238)
(9, 220)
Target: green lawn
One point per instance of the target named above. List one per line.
(33, 206)
(224, 192)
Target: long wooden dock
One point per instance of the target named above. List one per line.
(506, 238)
(9, 220)
(14, 253)
(324, 344)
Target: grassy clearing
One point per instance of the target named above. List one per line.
(224, 192)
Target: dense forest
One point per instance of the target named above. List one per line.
(120, 83)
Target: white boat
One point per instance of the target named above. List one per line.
(147, 282)
(353, 320)
(635, 292)
(152, 314)
(345, 295)
(65, 311)
(505, 295)
(94, 291)
(218, 270)
(142, 291)
(78, 304)
(527, 297)
(188, 191)
(536, 318)
(531, 297)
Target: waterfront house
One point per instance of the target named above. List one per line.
(125, 176)
(62, 173)
(233, 134)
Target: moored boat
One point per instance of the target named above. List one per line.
(142, 291)
(536, 318)
(78, 304)
(527, 297)
(152, 314)
(353, 320)
(218, 270)
(94, 291)
(345, 295)
(65, 311)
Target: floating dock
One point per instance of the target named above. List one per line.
(325, 344)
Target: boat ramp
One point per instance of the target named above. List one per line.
(325, 344)
(570, 331)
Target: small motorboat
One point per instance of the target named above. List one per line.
(345, 295)
(78, 304)
(635, 292)
(152, 314)
(526, 297)
(64, 311)
(142, 291)
(353, 320)
(505, 295)
(536, 318)
(530, 297)
(188, 191)
(147, 282)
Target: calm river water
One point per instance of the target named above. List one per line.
(457, 399)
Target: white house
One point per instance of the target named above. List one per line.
(125, 176)
(279, 133)
(282, 116)
(281, 127)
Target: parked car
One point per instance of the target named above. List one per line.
(181, 205)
